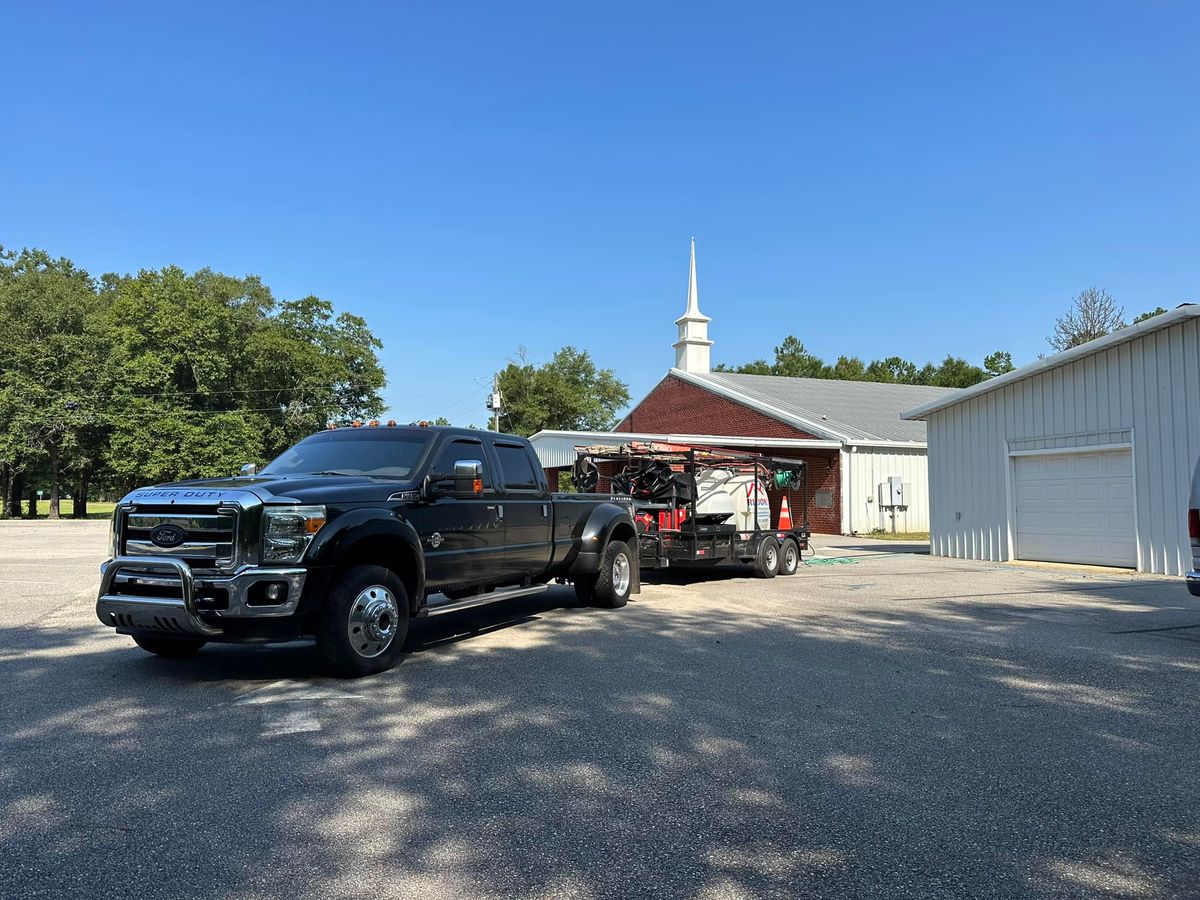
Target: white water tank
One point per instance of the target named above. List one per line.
(720, 491)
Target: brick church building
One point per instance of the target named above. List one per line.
(849, 432)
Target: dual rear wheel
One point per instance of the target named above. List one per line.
(612, 585)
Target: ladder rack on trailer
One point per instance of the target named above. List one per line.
(676, 525)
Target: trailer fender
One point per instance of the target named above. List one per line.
(753, 543)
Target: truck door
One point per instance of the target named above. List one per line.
(463, 540)
(528, 516)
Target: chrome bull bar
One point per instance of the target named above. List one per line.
(168, 614)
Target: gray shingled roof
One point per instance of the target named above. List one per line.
(851, 410)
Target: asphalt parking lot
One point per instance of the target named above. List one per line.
(881, 725)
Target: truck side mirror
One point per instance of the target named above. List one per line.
(249, 469)
(468, 478)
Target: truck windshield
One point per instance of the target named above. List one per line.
(378, 454)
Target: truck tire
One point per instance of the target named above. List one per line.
(766, 563)
(169, 648)
(789, 557)
(363, 624)
(614, 581)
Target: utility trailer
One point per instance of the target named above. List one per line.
(700, 506)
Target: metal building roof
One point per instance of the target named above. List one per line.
(1121, 335)
(849, 411)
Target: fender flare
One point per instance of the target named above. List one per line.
(594, 533)
(338, 541)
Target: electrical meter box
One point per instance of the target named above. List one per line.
(894, 492)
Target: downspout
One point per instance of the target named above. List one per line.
(850, 488)
(847, 491)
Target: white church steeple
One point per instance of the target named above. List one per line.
(692, 348)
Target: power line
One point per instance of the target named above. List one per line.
(276, 390)
(166, 413)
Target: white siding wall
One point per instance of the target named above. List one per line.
(1145, 392)
(863, 469)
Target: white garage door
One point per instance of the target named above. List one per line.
(1076, 507)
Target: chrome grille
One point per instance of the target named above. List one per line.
(209, 541)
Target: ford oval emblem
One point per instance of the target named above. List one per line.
(167, 535)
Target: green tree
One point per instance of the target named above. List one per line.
(894, 369)
(568, 393)
(998, 363)
(209, 372)
(1157, 311)
(792, 360)
(754, 367)
(848, 368)
(954, 371)
(49, 363)
(162, 375)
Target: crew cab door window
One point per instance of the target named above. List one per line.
(463, 449)
(463, 539)
(528, 513)
(516, 468)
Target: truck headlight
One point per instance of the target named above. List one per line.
(289, 530)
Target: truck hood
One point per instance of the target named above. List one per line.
(270, 489)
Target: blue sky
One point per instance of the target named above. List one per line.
(876, 178)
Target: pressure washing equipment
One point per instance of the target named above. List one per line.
(701, 505)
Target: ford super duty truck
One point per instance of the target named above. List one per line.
(349, 535)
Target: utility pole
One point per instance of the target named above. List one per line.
(495, 401)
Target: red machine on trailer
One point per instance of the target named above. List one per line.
(700, 506)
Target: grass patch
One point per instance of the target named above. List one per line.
(66, 509)
(911, 536)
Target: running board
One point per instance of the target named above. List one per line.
(483, 599)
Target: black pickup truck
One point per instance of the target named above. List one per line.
(349, 535)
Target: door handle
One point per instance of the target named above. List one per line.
(545, 510)
(500, 511)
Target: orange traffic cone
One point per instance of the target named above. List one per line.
(785, 515)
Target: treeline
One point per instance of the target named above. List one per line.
(123, 380)
(793, 360)
(570, 393)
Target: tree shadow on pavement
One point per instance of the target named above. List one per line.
(668, 749)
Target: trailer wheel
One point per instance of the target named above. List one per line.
(614, 581)
(766, 564)
(789, 558)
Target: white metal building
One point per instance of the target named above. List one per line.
(1085, 456)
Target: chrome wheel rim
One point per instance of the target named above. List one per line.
(373, 621)
(789, 558)
(620, 574)
(772, 557)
